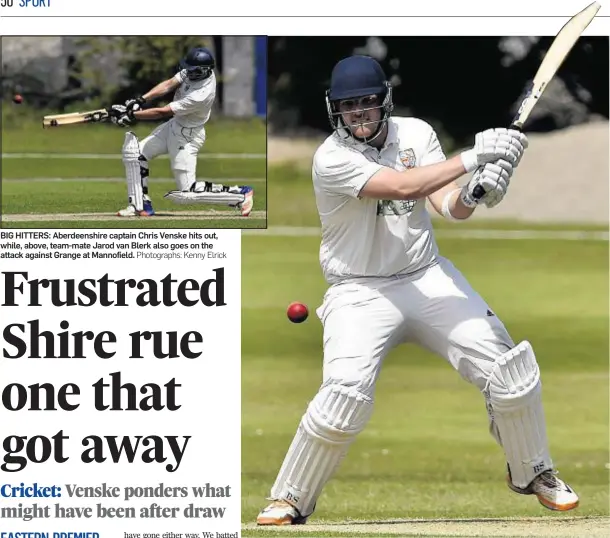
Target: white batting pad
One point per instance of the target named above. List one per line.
(331, 423)
(219, 198)
(131, 154)
(514, 393)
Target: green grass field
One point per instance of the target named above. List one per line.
(42, 188)
(427, 452)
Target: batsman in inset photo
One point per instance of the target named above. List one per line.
(354, 446)
(189, 108)
(181, 136)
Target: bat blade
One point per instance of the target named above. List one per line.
(563, 43)
(74, 118)
(557, 53)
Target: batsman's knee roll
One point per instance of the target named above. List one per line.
(131, 147)
(337, 414)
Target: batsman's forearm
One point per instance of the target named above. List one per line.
(422, 181)
(457, 209)
(152, 114)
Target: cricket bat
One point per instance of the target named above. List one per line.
(560, 48)
(75, 118)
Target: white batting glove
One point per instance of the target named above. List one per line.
(494, 178)
(116, 111)
(493, 145)
(120, 115)
(124, 121)
(519, 138)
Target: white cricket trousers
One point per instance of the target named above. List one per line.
(435, 308)
(363, 321)
(182, 144)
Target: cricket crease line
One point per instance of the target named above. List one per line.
(111, 217)
(502, 527)
(416, 521)
(564, 235)
(239, 180)
(115, 156)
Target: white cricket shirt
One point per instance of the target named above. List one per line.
(193, 100)
(364, 237)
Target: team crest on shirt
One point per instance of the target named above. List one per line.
(395, 207)
(407, 157)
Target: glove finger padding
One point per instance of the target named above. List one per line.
(518, 135)
(134, 104)
(513, 155)
(516, 143)
(494, 172)
(517, 148)
(501, 141)
(520, 143)
(122, 121)
(487, 151)
(496, 134)
(505, 165)
(116, 111)
(492, 198)
(505, 149)
(492, 145)
(495, 180)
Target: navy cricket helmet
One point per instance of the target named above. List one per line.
(355, 77)
(199, 63)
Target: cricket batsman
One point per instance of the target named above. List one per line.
(389, 285)
(181, 136)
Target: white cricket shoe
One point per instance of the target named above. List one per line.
(552, 492)
(131, 211)
(280, 513)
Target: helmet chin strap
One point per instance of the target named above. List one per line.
(374, 136)
(365, 140)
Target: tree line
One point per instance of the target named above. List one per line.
(459, 84)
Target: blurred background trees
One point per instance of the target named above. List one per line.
(61, 73)
(458, 84)
(142, 62)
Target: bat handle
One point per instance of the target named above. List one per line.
(479, 191)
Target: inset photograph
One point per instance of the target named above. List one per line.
(134, 132)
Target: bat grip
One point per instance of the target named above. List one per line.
(479, 191)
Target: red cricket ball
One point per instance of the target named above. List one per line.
(297, 312)
(17, 99)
